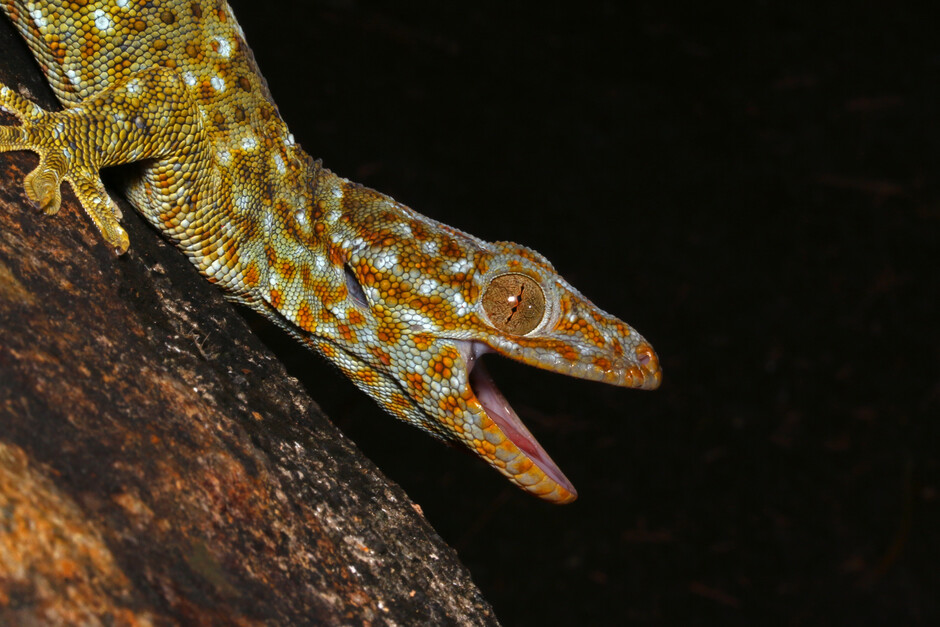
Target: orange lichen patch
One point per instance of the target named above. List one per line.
(52, 541)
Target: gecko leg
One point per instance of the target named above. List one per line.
(43, 132)
(116, 126)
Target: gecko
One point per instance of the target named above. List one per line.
(403, 305)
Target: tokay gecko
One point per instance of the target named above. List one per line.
(403, 305)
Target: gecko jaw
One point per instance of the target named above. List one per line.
(499, 410)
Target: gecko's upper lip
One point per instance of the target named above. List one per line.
(501, 412)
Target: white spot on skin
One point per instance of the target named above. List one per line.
(38, 18)
(225, 47)
(122, 3)
(332, 216)
(428, 286)
(461, 265)
(290, 139)
(102, 20)
(279, 163)
(460, 305)
(133, 86)
(301, 217)
(269, 224)
(418, 322)
(72, 76)
(225, 157)
(430, 247)
(242, 201)
(404, 230)
(384, 261)
(249, 142)
(189, 78)
(218, 83)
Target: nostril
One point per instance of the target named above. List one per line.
(645, 359)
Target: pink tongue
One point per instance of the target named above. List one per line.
(498, 409)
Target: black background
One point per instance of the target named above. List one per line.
(753, 187)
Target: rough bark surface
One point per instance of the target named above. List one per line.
(157, 464)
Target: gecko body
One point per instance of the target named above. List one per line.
(402, 304)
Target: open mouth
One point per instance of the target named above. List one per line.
(501, 412)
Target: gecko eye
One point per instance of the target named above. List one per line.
(514, 303)
(354, 289)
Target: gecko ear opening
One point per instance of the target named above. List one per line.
(354, 289)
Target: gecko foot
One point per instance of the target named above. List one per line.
(45, 133)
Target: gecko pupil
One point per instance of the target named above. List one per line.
(516, 301)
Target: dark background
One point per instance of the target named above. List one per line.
(754, 189)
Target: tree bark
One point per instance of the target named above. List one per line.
(158, 465)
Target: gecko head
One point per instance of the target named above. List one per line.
(434, 300)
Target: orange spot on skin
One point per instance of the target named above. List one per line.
(276, 299)
(450, 248)
(336, 256)
(355, 318)
(251, 274)
(382, 356)
(305, 318)
(347, 333)
(568, 352)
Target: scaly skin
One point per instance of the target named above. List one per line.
(402, 304)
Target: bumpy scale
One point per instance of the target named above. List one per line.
(402, 304)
